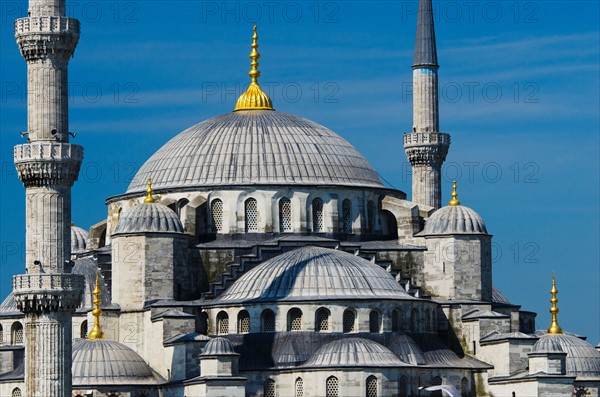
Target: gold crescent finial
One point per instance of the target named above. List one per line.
(149, 198)
(96, 332)
(254, 98)
(554, 329)
(454, 201)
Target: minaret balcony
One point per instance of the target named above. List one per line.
(426, 138)
(46, 163)
(48, 292)
(49, 24)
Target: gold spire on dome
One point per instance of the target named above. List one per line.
(554, 329)
(149, 198)
(96, 332)
(454, 202)
(254, 98)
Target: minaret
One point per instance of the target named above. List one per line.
(426, 147)
(48, 166)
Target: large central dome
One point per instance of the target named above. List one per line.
(253, 147)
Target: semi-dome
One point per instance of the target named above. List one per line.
(105, 362)
(218, 347)
(353, 352)
(148, 218)
(250, 147)
(583, 360)
(310, 273)
(79, 239)
(454, 219)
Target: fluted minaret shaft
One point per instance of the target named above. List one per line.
(426, 147)
(48, 166)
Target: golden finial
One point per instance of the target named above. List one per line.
(149, 198)
(254, 98)
(554, 327)
(96, 332)
(454, 201)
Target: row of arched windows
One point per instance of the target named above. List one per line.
(16, 334)
(332, 387)
(323, 321)
(251, 216)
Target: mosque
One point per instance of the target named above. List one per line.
(259, 254)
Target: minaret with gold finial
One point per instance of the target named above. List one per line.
(554, 329)
(96, 332)
(254, 98)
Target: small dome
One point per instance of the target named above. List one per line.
(148, 218)
(79, 240)
(218, 347)
(454, 219)
(583, 360)
(310, 273)
(353, 352)
(88, 268)
(105, 362)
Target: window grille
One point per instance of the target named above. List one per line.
(16, 392)
(268, 321)
(251, 215)
(299, 387)
(17, 334)
(322, 323)
(222, 323)
(402, 387)
(332, 387)
(269, 388)
(295, 320)
(216, 209)
(349, 319)
(395, 321)
(371, 386)
(317, 215)
(370, 216)
(464, 387)
(243, 322)
(374, 322)
(285, 215)
(346, 216)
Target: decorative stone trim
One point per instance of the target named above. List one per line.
(48, 163)
(40, 37)
(48, 292)
(426, 138)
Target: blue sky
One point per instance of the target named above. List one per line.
(519, 85)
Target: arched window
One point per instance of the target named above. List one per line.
(243, 322)
(322, 320)
(222, 323)
(317, 215)
(464, 387)
(83, 331)
(251, 215)
(216, 212)
(17, 333)
(370, 217)
(267, 321)
(269, 388)
(332, 387)
(403, 386)
(16, 392)
(395, 321)
(204, 323)
(346, 216)
(414, 318)
(299, 387)
(374, 321)
(285, 215)
(349, 320)
(295, 319)
(436, 381)
(1, 335)
(371, 386)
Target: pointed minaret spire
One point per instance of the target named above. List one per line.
(554, 329)
(426, 147)
(425, 48)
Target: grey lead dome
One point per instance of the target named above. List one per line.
(583, 360)
(454, 220)
(148, 218)
(311, 273)
(351, 352)
(255, 147)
